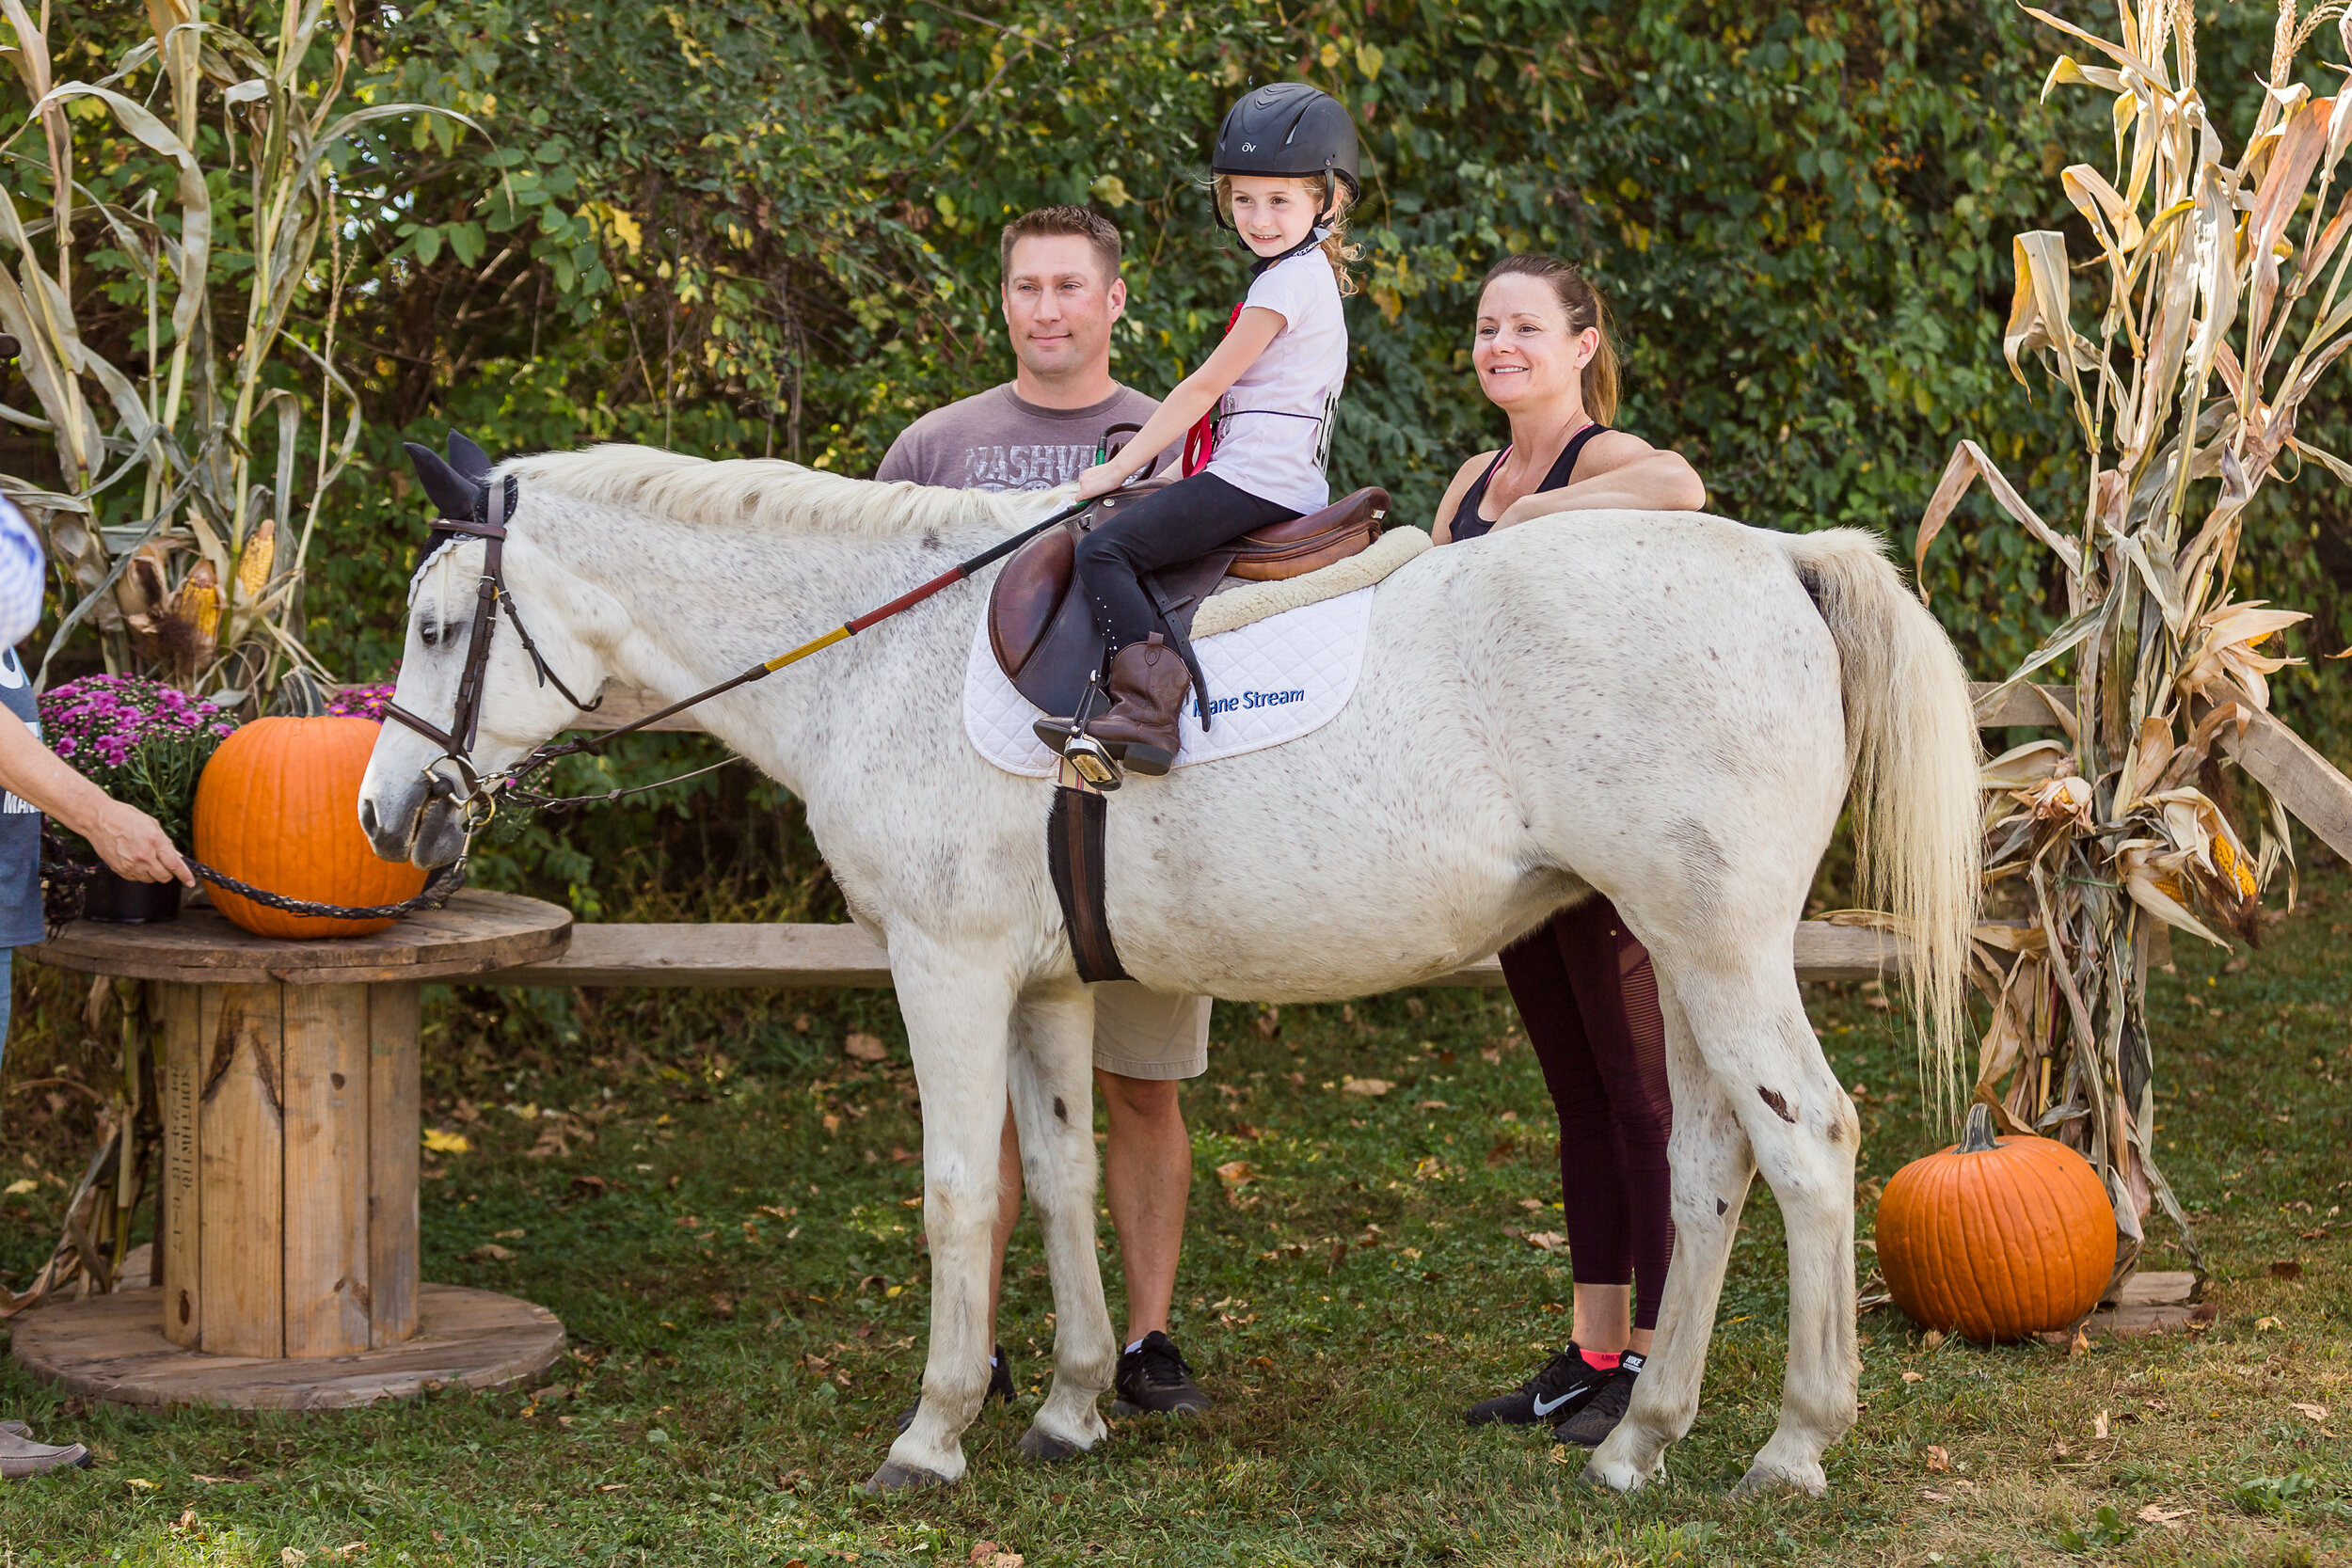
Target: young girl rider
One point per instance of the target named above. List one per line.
(1285, 166)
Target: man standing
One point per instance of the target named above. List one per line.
(1062, 295)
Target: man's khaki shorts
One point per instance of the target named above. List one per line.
(1150, 1034)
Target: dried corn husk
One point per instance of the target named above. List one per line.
(255, 560)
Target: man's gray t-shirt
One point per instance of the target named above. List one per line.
(999, 441)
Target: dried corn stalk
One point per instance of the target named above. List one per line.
(181, 427)
(2216, 303)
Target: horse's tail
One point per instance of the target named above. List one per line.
(1912, 754)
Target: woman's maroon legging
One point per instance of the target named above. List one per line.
(1589, 999)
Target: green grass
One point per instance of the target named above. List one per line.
(746, 1299)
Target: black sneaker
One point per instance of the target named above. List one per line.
(1154, 1380)
(1555, 1394)
(999, 1387)
(1589, 1426)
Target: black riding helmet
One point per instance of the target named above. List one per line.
(1288, 129)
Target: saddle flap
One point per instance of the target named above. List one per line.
(1313, 540)
(1026, 594)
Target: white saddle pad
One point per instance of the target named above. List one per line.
(1271, 681)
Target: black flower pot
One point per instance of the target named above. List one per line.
(120, 901)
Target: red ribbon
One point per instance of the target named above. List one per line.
(1201, 439)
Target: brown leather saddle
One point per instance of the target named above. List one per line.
(1043, 634)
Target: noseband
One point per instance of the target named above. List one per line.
(475, 800)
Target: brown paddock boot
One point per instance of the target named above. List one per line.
(1148, 683)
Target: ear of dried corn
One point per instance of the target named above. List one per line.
(2216, 303)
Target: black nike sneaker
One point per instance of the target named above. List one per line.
(999, 1387)
(1589, 1426)
(1555, 1394)
(1155, 1380)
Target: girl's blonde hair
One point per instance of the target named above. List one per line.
(1585, 309)
(1331, 189)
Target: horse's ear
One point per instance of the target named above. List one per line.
(443, 486)
(467, 456)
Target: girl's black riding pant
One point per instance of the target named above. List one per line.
(1189, 518)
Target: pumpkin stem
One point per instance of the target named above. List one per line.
(1976, 1135)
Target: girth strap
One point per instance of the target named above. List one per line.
(1073, 853)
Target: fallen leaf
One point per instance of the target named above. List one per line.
(2080, 1345)
(443, 1143)
(1431, 1105)
(1546, 1241)
(187, 1519)
(1370, 1087)
(1914, 1377)
(1939, 1496)
(18, 1188)
(218, 1480)
(865, 1047)
(511, 1235)
(139, 1484)
(2099, 1424)
(1492, 1055)
(493, 1252)
(1933, 1339)
(1531, 1205)
(2156, 1513)
(832, 1124)
(1939, 1460)
(1235, 1173)
(2312, 1412)
(293, 1557)
(2286, 1268)
(2261, 1324)
(2238, 965)
(982, 1551)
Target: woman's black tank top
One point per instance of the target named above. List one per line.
(1468, 524)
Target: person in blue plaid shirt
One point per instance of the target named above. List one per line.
(36, 781)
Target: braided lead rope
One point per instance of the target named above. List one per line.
(445, 883)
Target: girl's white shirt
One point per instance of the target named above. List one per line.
(1274, 425)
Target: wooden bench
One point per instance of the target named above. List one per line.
(843, 955)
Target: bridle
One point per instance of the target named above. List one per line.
(478, 803)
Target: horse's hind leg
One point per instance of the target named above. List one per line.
(1053, 1097)
(1711, 1171)
(958, 1008)
(1748, 1019)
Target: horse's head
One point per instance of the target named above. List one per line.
(461, 672)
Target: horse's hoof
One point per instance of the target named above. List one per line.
(895, 1477)
(1762, 1480)
(1045, 1448)
(1611, 1475)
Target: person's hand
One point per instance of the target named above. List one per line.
(1100, 481)
(135, 846)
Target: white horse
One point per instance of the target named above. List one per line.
(1667, 708)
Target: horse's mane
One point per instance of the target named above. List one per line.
(767, 492)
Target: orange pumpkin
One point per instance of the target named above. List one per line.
(1996, 1238)
(279, 808)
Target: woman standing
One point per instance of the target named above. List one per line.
(1582, 984)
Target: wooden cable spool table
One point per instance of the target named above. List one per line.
(287, 1231)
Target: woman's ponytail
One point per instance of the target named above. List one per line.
(1585, 309)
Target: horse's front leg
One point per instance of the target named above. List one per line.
(1713, 1169)
(958, 1005)
(1053, 1100)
